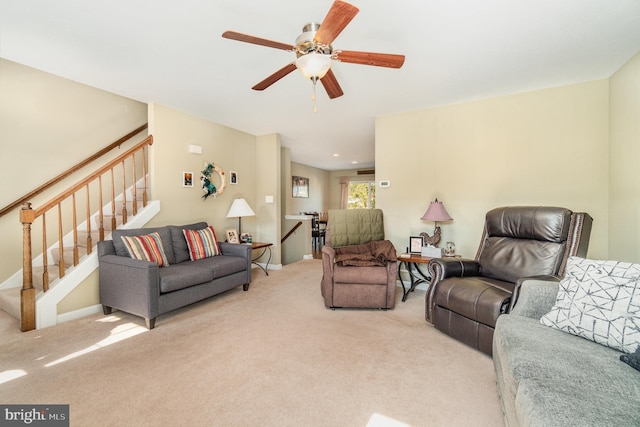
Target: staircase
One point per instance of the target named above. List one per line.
(58, 289)
(77, 218)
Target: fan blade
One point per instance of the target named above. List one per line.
(339, 16)
(282, 72)
(256, 40)
(331, 85)
(370, 58)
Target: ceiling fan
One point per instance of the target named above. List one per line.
(314, 52)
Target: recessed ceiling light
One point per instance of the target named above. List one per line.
(336, 155)
(354, 162)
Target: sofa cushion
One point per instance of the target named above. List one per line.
(179, 243)
(361, 275)
(180, 276)
(554, 378)
(222, 266)
(201, 243)
(599, 301)
(147, 247)
(164, 233)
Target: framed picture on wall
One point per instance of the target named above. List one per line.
(187, 179)
(300, 186)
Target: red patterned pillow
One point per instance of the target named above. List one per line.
(146, 248)
(201, 243)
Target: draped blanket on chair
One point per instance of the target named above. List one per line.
(376, 253)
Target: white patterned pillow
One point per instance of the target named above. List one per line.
(599, 301)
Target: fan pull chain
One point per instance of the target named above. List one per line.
(313, 94)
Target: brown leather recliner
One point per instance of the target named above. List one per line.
(466, 297)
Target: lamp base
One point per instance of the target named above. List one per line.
(431, 240)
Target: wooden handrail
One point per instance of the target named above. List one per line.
(71, 170)
(56, 200)
(295, 227)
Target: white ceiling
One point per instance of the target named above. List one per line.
(172, 52)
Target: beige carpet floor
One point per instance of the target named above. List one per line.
(272, 356)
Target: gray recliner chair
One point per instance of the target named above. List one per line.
(359, 266)
(466, 297)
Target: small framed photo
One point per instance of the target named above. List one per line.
(415, 244)
(232, 235)
(233, 177)
(187, 179)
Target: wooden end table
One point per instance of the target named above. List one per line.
(411, 262)
(264, 246)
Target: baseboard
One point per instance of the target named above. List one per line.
(80, 313)
(264, 265)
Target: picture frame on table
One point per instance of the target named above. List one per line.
(232, 235)
(415, 244)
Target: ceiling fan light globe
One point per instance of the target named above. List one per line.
(314, 65)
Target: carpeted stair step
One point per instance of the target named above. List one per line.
(68, 255)
(107, 222)
(10, 297)
(37, 273)
(120, 204)
(10, 301)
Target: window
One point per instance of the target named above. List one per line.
(362, 195)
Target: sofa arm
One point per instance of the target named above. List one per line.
(536, 297)
(442, 268)
(240, 250)
(328, 264)
(129, 285)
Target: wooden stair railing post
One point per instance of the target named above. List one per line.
(89, 242)
(124, 193)
(144, 177)
(28, 292)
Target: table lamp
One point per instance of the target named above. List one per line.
(240, 208)
(435, 212)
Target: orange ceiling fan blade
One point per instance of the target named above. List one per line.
(282, 72)
(338, 17)
(370, 58)
(256, 40)
(331, 85)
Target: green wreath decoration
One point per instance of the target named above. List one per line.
(207, 185)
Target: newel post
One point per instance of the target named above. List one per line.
(28, 292)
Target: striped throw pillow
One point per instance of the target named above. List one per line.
(202, 243)
(147, 247)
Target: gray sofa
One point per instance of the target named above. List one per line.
(144, 289)
(547, 377)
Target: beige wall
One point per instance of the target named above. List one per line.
(173, 132)
(318, 200)
(268, 213)
(624, 200)
(47, 125)
(548, 147)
